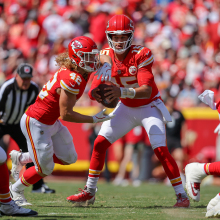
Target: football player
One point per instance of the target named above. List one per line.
(48, 140)
(140, 104)
(196, 172)
(8, 206)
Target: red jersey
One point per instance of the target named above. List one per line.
(133, 72)
(46, 107)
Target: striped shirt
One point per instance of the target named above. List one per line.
(14, 101)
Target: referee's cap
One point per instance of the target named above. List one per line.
(25, 70)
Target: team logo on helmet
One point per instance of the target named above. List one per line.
(132, 70)
(27, 69)
(76, 44)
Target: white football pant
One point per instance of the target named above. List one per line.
(45, 140)
(126, 118)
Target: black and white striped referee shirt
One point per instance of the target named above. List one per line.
(14, 101)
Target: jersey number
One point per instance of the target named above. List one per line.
(43, 93)
(127, 81)
(137, 49)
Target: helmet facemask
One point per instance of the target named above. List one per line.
(89, 61)
(126, 44)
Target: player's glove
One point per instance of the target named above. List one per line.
(100, 117)
(105, 71)
(217, 130)
(208, 98)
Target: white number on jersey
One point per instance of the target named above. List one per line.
(43, 93)
(77, 79)
(126, 82)
(137, 49)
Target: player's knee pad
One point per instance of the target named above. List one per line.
(157, 140)
(45, 161)
(72, 157)
(47, 168)
(3, 156)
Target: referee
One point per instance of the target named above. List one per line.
(16, 95)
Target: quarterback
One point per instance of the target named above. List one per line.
(196, 172)
(140, 104)
(48, 140)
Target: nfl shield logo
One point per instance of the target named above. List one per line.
(119, 72)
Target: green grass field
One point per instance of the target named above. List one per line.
(149, 201)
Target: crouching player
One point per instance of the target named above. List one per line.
(48, 140)
(196, 172)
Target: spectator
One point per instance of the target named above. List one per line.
(195, 66)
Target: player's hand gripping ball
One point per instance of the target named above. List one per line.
(105, 100)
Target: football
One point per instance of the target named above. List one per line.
(105, 101)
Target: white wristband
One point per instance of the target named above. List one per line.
(127, 93)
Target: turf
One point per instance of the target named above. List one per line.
(149, 201)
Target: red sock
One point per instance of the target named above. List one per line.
(101, 144)
(4, 184)
(30, 177)
(169, 165)
(56, 160)
(212, 168)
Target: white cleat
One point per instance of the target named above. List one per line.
(16, 164)
(194, 175)
(12, 209)
(18, 197)
(213, 208)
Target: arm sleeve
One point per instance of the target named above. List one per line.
(95, 83)
(145, 75)
(145, 61)
(70, 85)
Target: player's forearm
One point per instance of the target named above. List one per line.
(76, 117)
(143, 92)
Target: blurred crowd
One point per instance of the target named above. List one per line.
(184, 36)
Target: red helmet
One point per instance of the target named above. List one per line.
(120, 24)
(84, 53)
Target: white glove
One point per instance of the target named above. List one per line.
(217, 130)
(208, 98)
(100, 117)
(105, 71)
